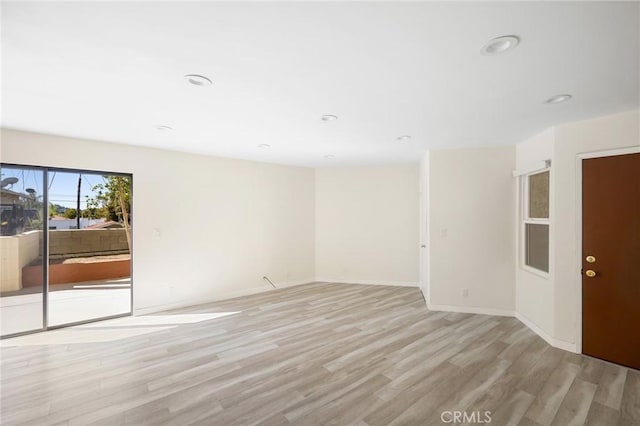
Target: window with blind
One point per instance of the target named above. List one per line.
(536, 221)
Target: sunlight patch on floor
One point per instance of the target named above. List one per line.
(111, 330)
(154, 320)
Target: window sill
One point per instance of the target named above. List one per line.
(534, 271)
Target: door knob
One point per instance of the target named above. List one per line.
(590, 259)
(590, 273)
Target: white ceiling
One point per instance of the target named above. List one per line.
(114, 71)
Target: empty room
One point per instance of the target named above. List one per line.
(312, 213)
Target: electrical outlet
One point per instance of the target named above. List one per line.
(465, 292)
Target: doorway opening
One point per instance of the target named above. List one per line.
(66, 246)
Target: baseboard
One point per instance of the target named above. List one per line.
(256, 290)
(566, 346)
(217, 298)
(535, 328)
(293, 283)
(369, 282)
(424, 294)
(560, 344)
(471, 310)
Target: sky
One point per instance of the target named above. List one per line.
(63, 186)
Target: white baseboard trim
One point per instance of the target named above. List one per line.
(566, 346)
(535, 328)
(224, 296)
(424, 295)
(368, 282)
(471, 310)
(560, 344)
(293, 283)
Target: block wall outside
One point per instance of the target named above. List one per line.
(16, 252)
(91, 242)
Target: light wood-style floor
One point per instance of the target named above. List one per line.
(310, 355)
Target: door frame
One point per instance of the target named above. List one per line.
(424, 239)
(45, 252)
(578, 254)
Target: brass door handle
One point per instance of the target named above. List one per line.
(590, 273)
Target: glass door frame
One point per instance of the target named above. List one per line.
(45, 247)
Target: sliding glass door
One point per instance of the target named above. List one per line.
(22, 211)
(89, 246)
(66, 247)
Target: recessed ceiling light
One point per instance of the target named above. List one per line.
(403, 137)
(329, 156)
(264, 145)
(500, 45)
(558, 99)
(329, 117)
(198, 80)
(164, 128)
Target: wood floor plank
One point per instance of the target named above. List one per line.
(512, 411)
(630, 404)
(601, 415)
(322, 353)
(545, 364)
(611, 386)
(404, 398)
(548, 400)
(575, 405)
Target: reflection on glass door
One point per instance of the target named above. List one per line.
(65, 247)
(89, 246)
(21, 244)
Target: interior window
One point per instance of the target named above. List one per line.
(536, 221)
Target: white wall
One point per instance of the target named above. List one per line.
(600, 134)
(367, 224)
(469, 232)
(204, 227)
(534, 293)
(351, 225)
(552, 306)
(472, 230)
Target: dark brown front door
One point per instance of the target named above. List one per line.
(611, 258)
